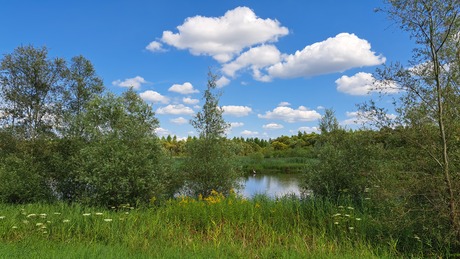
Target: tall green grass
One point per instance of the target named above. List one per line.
(211, 227)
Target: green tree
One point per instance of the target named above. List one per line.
(328, 122)
(430, 102)
(123, 161)
(31, 87)
(82, 85)
(211, 163)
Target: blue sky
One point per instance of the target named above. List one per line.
(281, 62)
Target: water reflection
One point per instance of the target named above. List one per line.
(275, 185)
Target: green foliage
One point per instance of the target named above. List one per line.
(347, 160)
(31, 89)
(212, 227)
(211, 163)
(123, 161)
(328, 122)
(23, 179)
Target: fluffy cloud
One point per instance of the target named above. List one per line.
(175, 109)
(225, 36)
(135, 82)
(337, 54)
(255, 59)
(162, 132)
(185, 88)
(284, 104)
(154, 97)
(364, 83)
(180, 120)
(155, 46)
(291, 115)
(222, 81)
(238, 111)
(249, 133)
(188, 100)
(272, 126)
(236, 124)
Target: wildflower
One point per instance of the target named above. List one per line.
(367, 198)
(66, 220)
(366, 189)
(350, 208)
(49, 222)
(2, 217)
(347, 215)
(113, 207)
(44, 232)
(257, 205)
(337, 214)
(31, 215)
(43, 227)
(340, 207)
(39, 224)
(98, 213)
(107, 220)
(126, 213)
(14, 227)
(351, 228)
(25, 221)
(43, 215)
(336, 223)
(57, 213)
(358, 219)
(86, 214)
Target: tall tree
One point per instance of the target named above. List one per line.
(31, 88)
(211, 158)
(82, 85)
(328, 122)
(430, 101)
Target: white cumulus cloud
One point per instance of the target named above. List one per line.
(255, 59)
(188, 100)
(134, 82)
(154, 97)
(185, 88)
(337, 54)
(155, 46)
(236, 124)
(162, 131)
(180, 120)
(284, 104)
(238, 111)
(273, 126)
(291, 115)
(249, 133)
(175, 109)
(222, 81)
(364, 83)
(225, 36)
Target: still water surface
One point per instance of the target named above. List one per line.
(272, 185)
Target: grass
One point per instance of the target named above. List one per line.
(285, 165)
(211, 227)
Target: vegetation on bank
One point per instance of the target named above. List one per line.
(216, 226)
(391, 190)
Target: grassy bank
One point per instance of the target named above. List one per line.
(213, 227)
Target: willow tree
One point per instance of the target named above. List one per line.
(430, 104)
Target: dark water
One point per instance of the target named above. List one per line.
(272, 185)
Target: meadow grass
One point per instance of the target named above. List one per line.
(209, 227)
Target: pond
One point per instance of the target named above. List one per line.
(272, 185)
